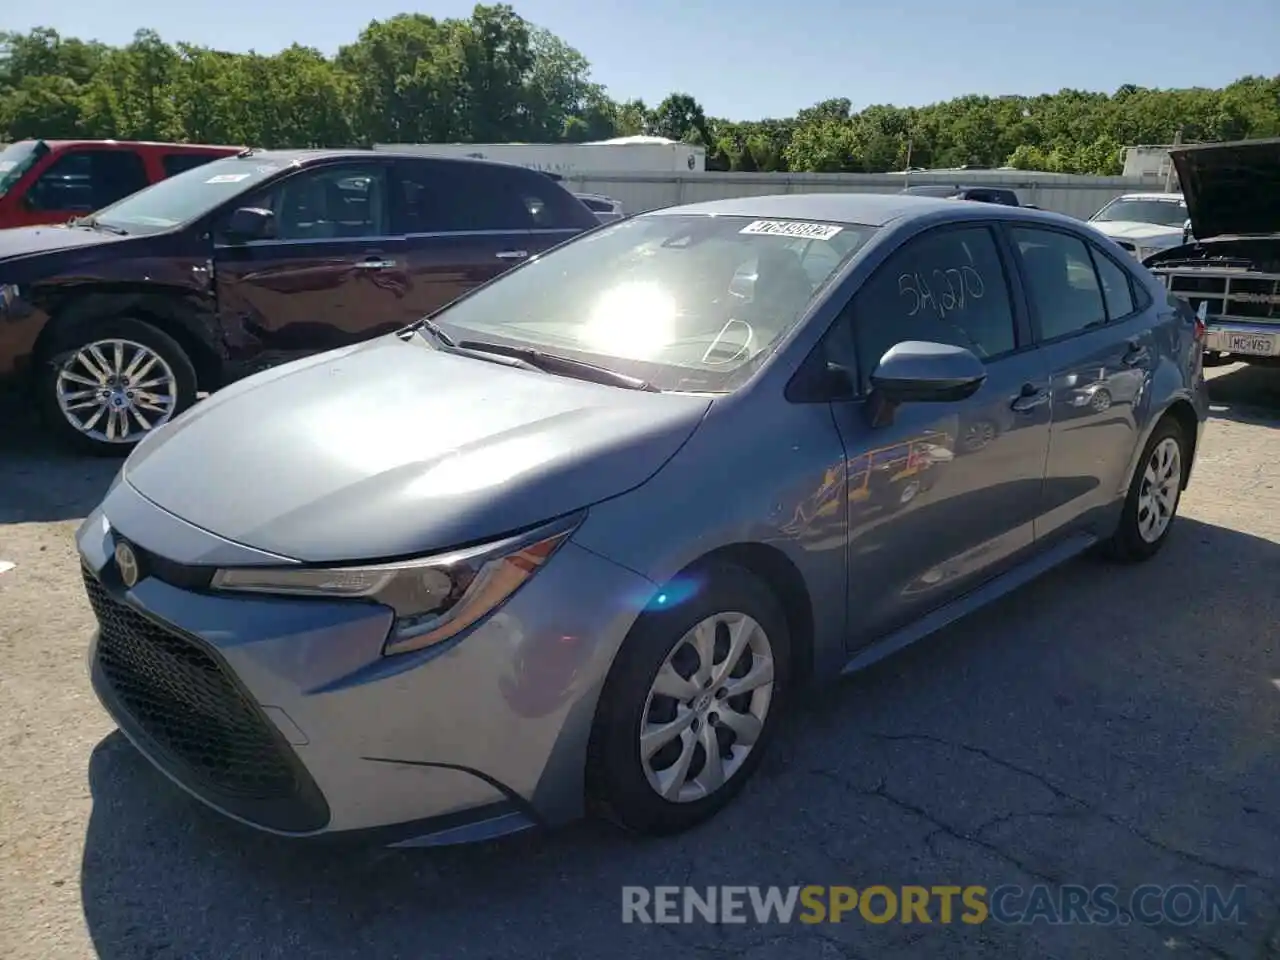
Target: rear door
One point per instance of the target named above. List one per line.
(1092, 318)
(79, 181)
(462, 227)
(332, 274)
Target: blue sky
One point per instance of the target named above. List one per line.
(745, 59)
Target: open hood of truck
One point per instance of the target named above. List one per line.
(1231, 188)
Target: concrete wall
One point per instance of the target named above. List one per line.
(1074, 196)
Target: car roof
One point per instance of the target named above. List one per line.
(1169, 197)
(306, 157)
(63, 144)
(869, 209)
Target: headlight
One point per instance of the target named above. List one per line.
(434, 598)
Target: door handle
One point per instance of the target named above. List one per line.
(375, 264)
(512, 254)
(1030, 398)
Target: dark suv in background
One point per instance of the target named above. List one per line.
(117, 320)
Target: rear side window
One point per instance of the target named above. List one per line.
(1117, 289)
(458, 198)
(1061, 282)
(81, 181)
(178, 162)
(947, 286)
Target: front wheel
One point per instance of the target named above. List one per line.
(690, 705)
(109, 384)
(1154, 494)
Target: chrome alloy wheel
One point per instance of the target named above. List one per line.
(1161, 487)
(707, 707)
(116, 390)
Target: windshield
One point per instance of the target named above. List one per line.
(16, 159)
(188, 195)
(684, 302)
(1165, 213)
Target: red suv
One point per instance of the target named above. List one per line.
(50, 181)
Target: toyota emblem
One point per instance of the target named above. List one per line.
(127, 564)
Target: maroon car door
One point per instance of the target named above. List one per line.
(466, 222)
(332, 273)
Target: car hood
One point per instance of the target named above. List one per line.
(392, 448)
(25, 241)
(1231, 188)
(1136, 230)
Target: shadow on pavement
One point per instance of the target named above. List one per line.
(39, 480)
(1107, 724)
(1246, 394)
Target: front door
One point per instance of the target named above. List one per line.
(941, 496)
(332, 274)
(1101, 348)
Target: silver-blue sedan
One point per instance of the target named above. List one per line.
(572, 542)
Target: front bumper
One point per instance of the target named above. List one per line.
(283, 713)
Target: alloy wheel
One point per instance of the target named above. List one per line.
(115, 391)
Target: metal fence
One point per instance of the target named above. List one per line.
(1075, 196)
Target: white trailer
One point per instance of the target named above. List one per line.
(625, 155)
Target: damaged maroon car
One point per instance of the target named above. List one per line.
(115, 321)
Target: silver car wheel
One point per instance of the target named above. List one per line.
(116, 390)
(1161, 487)
(706, 707)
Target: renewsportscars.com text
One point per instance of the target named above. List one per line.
(1148, 904)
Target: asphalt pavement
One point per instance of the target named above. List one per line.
(1105, 726)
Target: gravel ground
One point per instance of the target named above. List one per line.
(1105, 725)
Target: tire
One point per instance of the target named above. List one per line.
(621, 785)
(1129, 544)
(139, 343)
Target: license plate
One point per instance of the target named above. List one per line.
(1252, 344)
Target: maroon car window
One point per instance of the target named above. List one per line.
(443, 197)
(330, 202)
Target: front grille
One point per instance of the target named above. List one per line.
(1230, 294)
(197, 720)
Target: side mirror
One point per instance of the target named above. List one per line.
(250, 223)
(919, 372)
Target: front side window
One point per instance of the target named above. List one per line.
(1164, 213)
(1060, 280)
(186, 196)
(686, 302)
(947, 286)
(328, 203)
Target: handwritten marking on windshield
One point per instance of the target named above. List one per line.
(792, 228)
(956, 288)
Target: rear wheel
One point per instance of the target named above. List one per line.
(690, 705)
(107, 385)
(1154, 494)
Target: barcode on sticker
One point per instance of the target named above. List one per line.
(793, 228)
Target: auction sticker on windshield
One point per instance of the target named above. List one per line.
(793, 228)
(228, 178)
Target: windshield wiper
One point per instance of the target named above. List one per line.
(432, 328)
(566, 366)
(93, 223)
